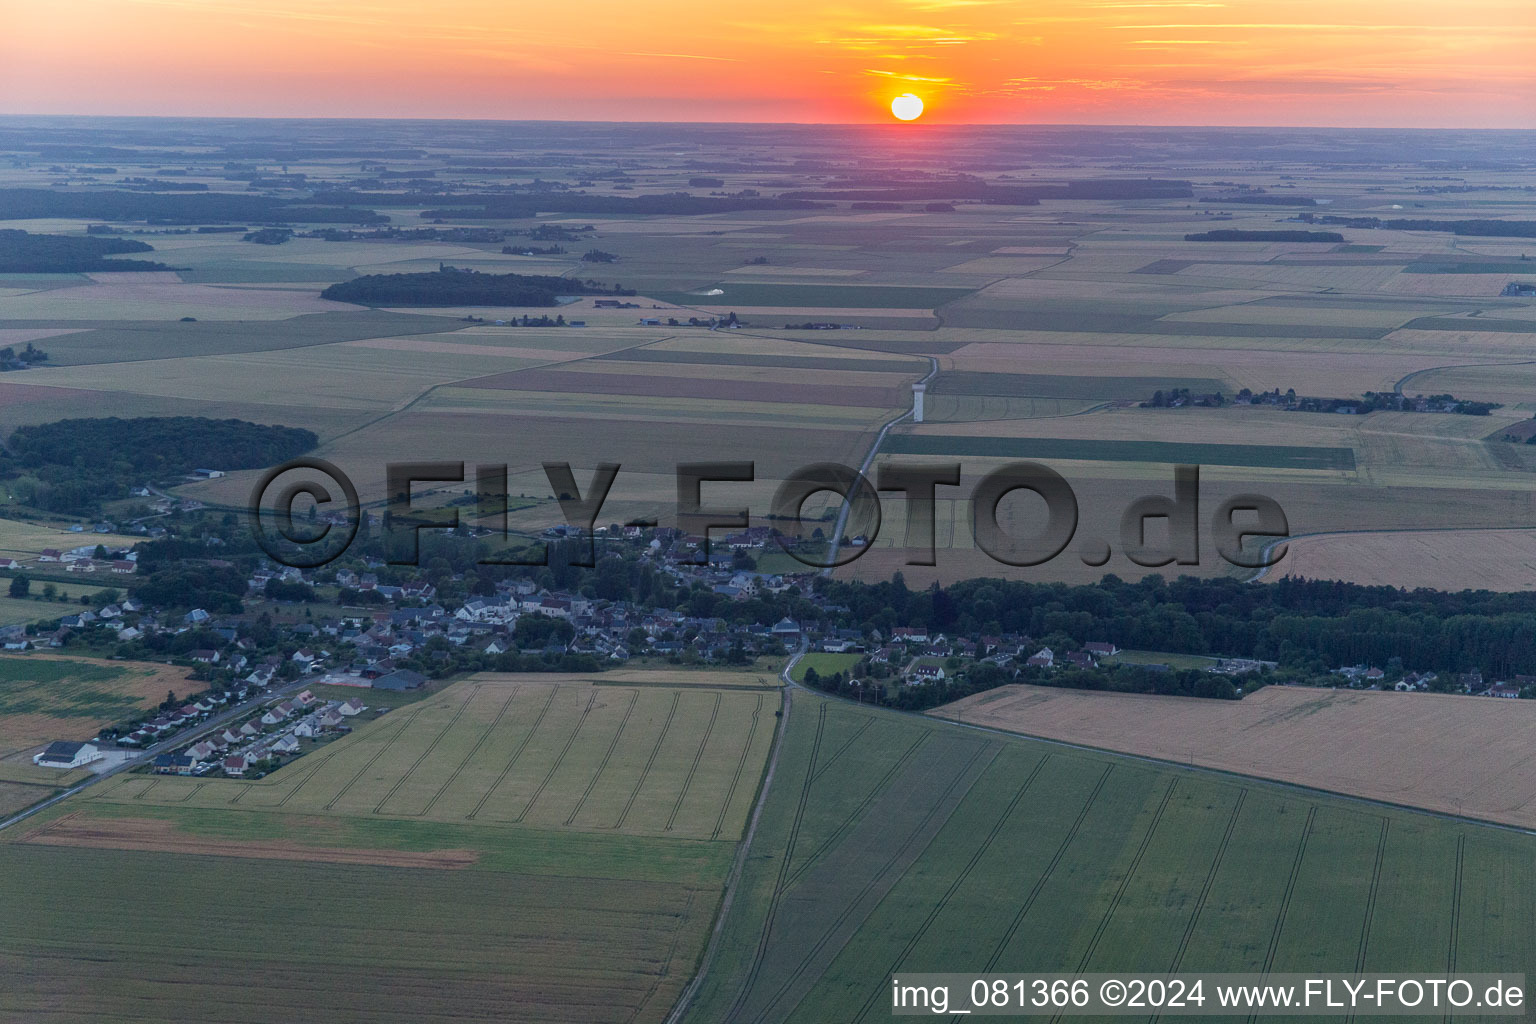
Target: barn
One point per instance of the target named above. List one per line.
(65, 754)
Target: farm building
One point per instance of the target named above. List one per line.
(64, 754)
(402, 679)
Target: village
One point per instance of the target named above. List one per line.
(400, 637)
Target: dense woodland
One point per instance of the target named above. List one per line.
(22, 252)
(1305, 625)
(72, 466)
(1234, 235)
(451, 287)
(1487, 228)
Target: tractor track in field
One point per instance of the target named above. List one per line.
(1125, 882)
(857, 812)
(607, 756)
(405, 776)
(693, 768)
(570, 741)
(812, 955)
(522, 744)
(383, 746)
(489, 730)
(649, 762)
(1045, 877)
(965, 872)
(741, 765)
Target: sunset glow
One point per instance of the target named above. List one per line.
(907, 107)
(1365, 62)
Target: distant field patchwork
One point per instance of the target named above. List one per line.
(1045, 385)
(791, 296)
(1254, 455)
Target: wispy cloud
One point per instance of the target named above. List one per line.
(903, 76)
(680, 56)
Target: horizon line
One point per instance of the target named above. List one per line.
(893, 125)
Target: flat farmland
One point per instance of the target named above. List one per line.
(566, 932)
(893, 844)
(1447, 753)
(1261, 456)
(1043, 385)
(645, 759)
(1341, 370)
(1440, 559)
(107, 340)
(686, 388)
(16, 796)
(811, 297)
(45, 697)
(161, 296)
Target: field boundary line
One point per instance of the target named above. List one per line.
(427, 752)
(1045, 876)
(697, 757)
(741, 764)
(522, 743)
(559, 759)
(603, 764)
(469, 756)
(938, 908)
(649, 762)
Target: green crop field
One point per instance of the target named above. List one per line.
(561, 933)
(646, 760)
(1255, 455)
(890, 843)
(824, 663)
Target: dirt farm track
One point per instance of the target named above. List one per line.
(1472, 756)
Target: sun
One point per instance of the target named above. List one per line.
(907, 107)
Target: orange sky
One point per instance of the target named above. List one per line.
(1409, 63)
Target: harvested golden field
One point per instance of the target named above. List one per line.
(638, 677)
(1441, 559)
(1457, 755)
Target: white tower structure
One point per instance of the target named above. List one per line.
(918, 390)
